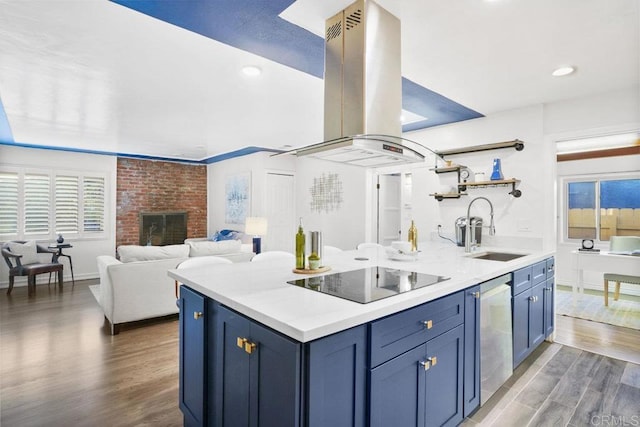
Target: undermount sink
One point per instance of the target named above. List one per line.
(497, 256)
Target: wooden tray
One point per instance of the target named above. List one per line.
(307, 271)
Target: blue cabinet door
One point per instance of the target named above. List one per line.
(275, 379)
(336, 377)
(444, 379)
(398, 390)
(520, 327)
(471, 350)
(549, 315)
(192, 378)
(536, 315)
(231, 389)
(257, 380)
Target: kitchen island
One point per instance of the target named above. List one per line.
(258, 350)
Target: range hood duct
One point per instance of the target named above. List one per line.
(363, 91)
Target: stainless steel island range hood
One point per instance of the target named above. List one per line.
(363, 91)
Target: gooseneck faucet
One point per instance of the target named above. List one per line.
(492, 228)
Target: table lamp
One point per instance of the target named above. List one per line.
(257, 227)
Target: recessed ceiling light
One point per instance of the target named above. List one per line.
(563, 71)
(251, 70)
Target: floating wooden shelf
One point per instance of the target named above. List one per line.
(516, 143)
(463, 186)
(446, 169)
(440, 196)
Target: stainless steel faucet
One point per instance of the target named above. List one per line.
(492, 228)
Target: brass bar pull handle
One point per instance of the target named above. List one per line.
(428, 324)
(425, 364)
(197, 315)
(433, 360)
(240, 342)
(249, 347)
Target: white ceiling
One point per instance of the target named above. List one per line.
(94, 75)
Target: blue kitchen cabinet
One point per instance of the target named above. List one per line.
(421, 387)
(471, 350)
(532, 306)
(417, 365)
(257, 374)
(193, 346)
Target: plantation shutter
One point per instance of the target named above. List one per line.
(66, 195)
(36, 203)
(93, 204)
(8, 203)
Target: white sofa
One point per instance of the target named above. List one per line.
(136, 286)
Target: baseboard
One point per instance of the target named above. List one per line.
(43, 279)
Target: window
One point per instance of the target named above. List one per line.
(41, 205)
(66, 195)
(8, 203)
(36, 204)
(599, 209)
(93, 209)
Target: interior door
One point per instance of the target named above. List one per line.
(389, 212)
(280, 213)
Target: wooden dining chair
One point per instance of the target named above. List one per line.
(20, 265)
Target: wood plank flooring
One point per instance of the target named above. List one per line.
(60, 367)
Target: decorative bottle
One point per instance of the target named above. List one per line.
(496, 175)
(300, 246)
(413, 237)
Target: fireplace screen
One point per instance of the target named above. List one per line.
(163, 228)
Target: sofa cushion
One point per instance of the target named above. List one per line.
(28, 250)
(214, 248)
(130, 253)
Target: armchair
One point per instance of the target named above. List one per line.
(30, 269)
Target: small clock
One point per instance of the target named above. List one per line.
(465, 174)
(587, 244)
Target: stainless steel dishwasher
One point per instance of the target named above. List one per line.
(496, 342)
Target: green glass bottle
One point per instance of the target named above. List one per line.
(300, 246)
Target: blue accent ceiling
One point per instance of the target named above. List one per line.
(254, 26)
(5, 130)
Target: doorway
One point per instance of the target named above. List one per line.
(280, 212)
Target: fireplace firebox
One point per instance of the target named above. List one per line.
(163, 228)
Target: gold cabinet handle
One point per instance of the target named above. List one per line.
(428, 324)
(240, 342)
(426, 364)
(476, 294)
(197, 315)
(249, 347)
(433, 360)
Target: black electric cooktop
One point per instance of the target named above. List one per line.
(368, 284)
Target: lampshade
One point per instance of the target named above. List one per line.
(256, 226)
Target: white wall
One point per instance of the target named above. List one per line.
(524, 222)
(84, 252)
(344, 228)
(614, 112)
(347, 225)
(258, 165)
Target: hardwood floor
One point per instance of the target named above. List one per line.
(60, 367)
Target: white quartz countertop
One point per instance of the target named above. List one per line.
(260, 291)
